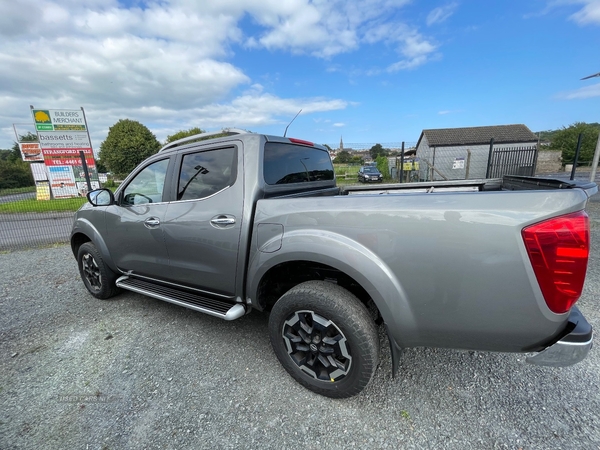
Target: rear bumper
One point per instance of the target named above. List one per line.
(572, 348)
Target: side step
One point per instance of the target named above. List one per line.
(190, 300)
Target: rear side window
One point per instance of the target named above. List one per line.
(289, 163)
(205, 173)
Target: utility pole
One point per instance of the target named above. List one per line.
(597, 151)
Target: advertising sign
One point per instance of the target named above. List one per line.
(68, 157)
(62, 136)
(31, 151)
(62, 182)
(59, 120)
(64, 139)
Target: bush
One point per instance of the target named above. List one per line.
(15, 174)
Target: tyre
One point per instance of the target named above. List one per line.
(97, 277)
(325, 338)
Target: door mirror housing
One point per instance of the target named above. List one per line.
(101, 197)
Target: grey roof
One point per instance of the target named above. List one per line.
(502, 134)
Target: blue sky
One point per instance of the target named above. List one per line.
(372, 71)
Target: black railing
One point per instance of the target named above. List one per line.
(512, 161)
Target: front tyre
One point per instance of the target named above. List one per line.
(325, 338)
(97, 277)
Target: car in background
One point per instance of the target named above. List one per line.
(369, 174)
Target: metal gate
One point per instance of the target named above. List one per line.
(512, 161)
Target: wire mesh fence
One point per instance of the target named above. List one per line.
(476, 161)
(26, 222)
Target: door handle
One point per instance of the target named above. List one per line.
(223, 221)
(152, 222)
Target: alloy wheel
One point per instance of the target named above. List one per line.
(317, 346)
(91, 271)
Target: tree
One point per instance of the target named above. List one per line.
(565, 140)
(6, 155)
(343, 157)
(100, 167)
(128, 143)
(377, 150)
(14, 172)
(184, 133)
(383, 166)
(15, 175)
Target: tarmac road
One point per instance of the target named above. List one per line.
(133, 372)
(16, 197)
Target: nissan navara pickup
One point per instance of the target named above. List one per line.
(229, 222)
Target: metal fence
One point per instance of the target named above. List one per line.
(22, 228)
(476, 161)
(29, 230)
(512, 161)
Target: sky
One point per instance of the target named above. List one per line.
(367, 71)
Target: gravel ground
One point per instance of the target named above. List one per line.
(133, 372)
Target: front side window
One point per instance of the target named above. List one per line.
(206, 173)
(288, 163)
(147, 186)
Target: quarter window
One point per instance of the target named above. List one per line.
(206, 173)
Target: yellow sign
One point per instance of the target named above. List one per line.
(42, 190)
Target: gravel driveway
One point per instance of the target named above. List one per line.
(132, 372)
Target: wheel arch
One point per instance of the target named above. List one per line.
(83, 232)
(334, 257)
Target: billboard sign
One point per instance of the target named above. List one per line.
(64, 139)
(62, 136)
(31, 151)
(59, 119)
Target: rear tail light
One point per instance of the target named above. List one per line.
(558, 249)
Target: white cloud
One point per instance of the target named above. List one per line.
(339, 124)
(416, 50)
(171, 62)
(441, 14)
(589, 14)
(582, 93)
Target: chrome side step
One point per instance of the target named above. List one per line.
(190, 300)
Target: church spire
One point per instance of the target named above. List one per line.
(341, 143)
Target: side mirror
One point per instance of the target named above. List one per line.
(101, 197)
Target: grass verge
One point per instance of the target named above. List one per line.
(33, 205)
(21, 190)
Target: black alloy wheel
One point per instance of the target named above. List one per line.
(317, 346)
(97, 277)
(325, 338)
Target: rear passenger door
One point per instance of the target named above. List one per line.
(203, 223)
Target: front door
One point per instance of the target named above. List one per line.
(134, 234)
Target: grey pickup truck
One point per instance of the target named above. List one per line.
(230, 223)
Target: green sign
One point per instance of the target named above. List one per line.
(42, 120)
(59, 120)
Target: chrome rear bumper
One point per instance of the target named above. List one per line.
(571, 348)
